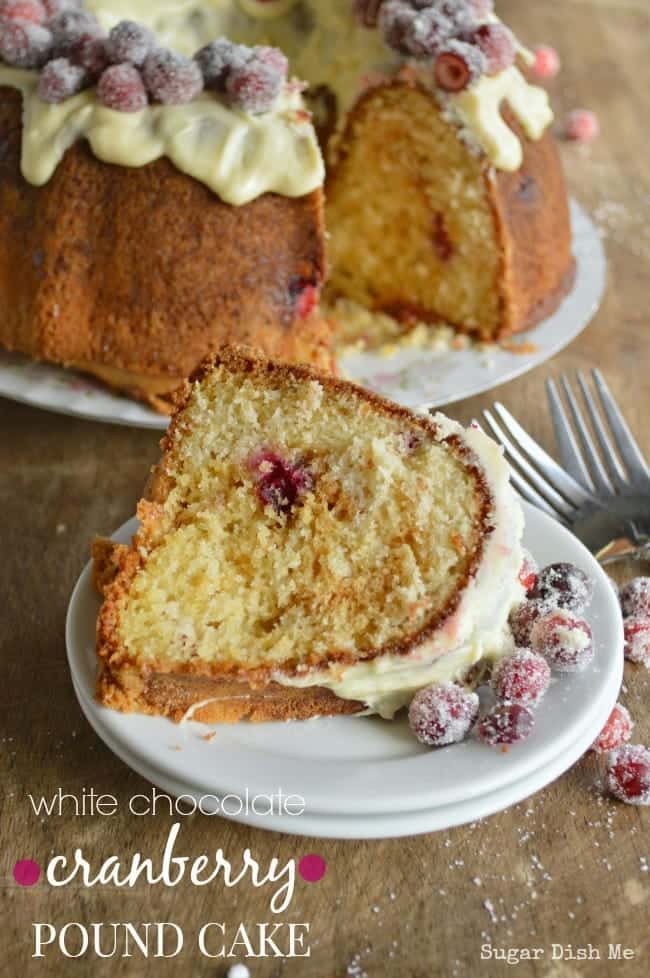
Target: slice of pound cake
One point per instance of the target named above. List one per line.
(306, 548)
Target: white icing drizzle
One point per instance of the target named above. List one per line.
(477, 630)
(239, 156)
(326, 46)
(479, 108)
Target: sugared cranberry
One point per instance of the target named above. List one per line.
(565, 586)
(274, 58)
(497, 43)
(255, 87)
(507, 723)
(581, 126)
(69, 27)
(55, 7)
(616, 731)
(458, 65)
(522, 677)
(628, 774)
(635, 597)
(30, 10)
(637, 639)
(528, 572)
(60, 79)
(440, 715)
(547, 61)
(523, 617)
(481, 8)
(280, 484)
(564, 640)
(24, 44)
(90, 52)
(217, 59)
(130, 42)
(171, 78)
(121, 88)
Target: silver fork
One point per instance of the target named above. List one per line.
(601, 491)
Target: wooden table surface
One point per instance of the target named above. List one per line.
(565, 867)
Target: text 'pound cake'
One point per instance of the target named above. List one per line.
(306, 548)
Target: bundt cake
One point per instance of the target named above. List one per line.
(150, 219)
(306, 548)
(445, 198)
(155, 206)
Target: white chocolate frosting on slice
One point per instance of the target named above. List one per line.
(479, 627)
(239, 156)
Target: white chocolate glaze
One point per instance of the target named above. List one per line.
(239, 156)
(479, 108)
(326, 46)
(479, 627)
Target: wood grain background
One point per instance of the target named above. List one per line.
(566, 867)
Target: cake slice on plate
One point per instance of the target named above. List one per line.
(306, 548)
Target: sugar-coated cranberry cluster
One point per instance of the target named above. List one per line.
(455, 35)
(127, 65)
(445, 714)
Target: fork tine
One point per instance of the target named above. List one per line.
(522, 487)
(606, 449)
(625, 441)
(570, 454)
(598, 474)
(555, 474)
(539, 483)
(529, 494)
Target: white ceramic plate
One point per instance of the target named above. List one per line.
(415, 378)
(364, 777)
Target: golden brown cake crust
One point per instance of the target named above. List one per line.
(148, 271)
(128, 685)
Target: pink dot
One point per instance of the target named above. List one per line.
(312, 868)
(26, 872)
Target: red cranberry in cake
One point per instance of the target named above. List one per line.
(637, 639)
(171, 78)
(120, 87)
(497, 43)
(635, 597)
(30, 10)
(280, 484)
(304, 296)
(564, 640)
(60, 79)
(441, 715)
(564, 585)
(442, 243)
(528, 572)
(130, 42)
(507, 723)
(521, 678)
(616, 731)
(24, 44)
(628, 774)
